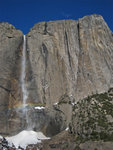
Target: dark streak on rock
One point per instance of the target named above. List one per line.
(45, 53)
(78, 27)
(67, 45)
(45, 30)
(5, 88)
(8, 90)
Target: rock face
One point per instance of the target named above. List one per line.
(69, 57)
(67, 61)
(10, 42)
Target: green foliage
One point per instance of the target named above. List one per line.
(106, 137)
(108, 107)
(95, 136)
(65, 99)
(91, 121)
(62, 102)
(77, 148)
(91, 117)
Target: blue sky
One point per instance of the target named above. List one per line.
(23, 14)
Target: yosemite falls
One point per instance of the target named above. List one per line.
(23, 73)
(57, 77)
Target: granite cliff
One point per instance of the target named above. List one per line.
(69, 66)
(10, 49)
(70, 57)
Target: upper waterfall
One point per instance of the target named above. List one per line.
(23, 73)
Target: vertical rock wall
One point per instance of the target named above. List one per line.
(70, 57)
(53, 50)
(10, 43)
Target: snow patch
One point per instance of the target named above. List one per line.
(74, 103)
(67, 129)
(24, 138)
(55, 103)
(40, 107)
(71, 95)
(1, 137)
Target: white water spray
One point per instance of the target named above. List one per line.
(24, 89)
(23, 73)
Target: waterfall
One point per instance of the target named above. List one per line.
(23, 73)
(26, 123)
